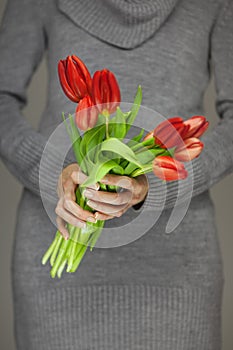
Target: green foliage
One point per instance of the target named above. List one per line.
(135, 109)
(117, 126)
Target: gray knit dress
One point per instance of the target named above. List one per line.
(162, 291)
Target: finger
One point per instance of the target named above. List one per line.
(114, 198)
(101, 216)
(59, 187)
(77, 211)
(68, 217)
(62, 228)
(69, 189)
(122, 181)
(106, 208)
(78, 178)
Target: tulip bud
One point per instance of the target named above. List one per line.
(75, 78)
(197, 125)
(168, 133)
(86, 114)
(105, 91)
(191, 149)
(169, 169)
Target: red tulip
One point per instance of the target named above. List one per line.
(105, 91)
(169, 169)
(86, 114)
(168, 134)
(197, 125)
(75, 78)
(191, 149)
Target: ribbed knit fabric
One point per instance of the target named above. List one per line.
(123, 23)
(162, 291)
(122, 317)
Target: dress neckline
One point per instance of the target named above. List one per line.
(123, 23)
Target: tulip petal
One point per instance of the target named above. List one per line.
(86, 114)
(115, 92)
(63, 81)
(169, 169)
(78, 86)
(197, 126)
(191, 149)
(105, 91)
(96, 90)
(84, 72)
(168, 133)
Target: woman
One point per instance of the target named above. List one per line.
(160, 291)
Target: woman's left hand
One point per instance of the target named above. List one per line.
(110, 204)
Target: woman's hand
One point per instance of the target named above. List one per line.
(106, 204)
(67, 209)
(110, 204)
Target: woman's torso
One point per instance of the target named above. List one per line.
(173, 69)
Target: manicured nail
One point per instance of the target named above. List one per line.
(88, 194)
(91, 203)
(81, 224)
(91, 219)
(104, 181)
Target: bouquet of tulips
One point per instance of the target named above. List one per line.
(103, 148)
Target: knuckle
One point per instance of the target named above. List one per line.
(57, 221)
(74, 174)
(57, 210)
(67, 203)
(76, 223)
(66, 185)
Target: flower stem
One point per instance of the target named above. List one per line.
(55, 250)
(107, 126)
(50, 249)
(59, 259)
(61, 268)
(78, 259)
(96, 235)
(74, 243)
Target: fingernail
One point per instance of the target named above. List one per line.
(104, 181)
(90, 203)
(88, 194)
(91, 219)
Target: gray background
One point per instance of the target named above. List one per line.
(222, 194)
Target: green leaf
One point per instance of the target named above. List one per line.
(116, 146)
(100, 170)
(75, 137)
(148, 155)
(145, 157)
(89, 145)
(130, 168)
(136, 139)
(135, 108)
(117, 127)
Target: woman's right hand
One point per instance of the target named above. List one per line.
(67, 210)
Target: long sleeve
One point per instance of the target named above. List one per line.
(22, 44)
(216, 160)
